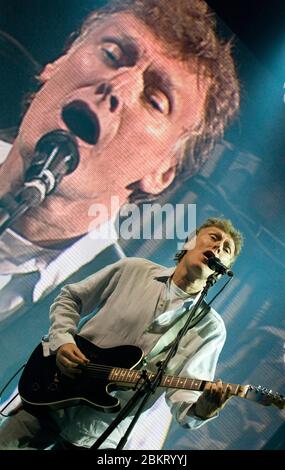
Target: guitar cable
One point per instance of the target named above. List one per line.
(220, 291)
(4, 388)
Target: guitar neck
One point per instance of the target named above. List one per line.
(131, 377)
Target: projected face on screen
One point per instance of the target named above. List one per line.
(127, 102)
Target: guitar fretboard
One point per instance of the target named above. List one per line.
(127, 376)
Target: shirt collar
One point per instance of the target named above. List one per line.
(4, 151)
(20, 256)
(165, 274)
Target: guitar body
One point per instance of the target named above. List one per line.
(43, 387)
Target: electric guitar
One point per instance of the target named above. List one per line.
(43, 387)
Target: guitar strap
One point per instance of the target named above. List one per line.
(166, 340)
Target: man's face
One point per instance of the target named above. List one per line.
(209, 241)
(127, 102)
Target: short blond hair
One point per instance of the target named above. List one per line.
(224, 224)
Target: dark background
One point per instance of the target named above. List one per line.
(258, 23)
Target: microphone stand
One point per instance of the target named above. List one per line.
(56, 155)
(146, 387)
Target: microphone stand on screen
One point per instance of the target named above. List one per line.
(56, 155)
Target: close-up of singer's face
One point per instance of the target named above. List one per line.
(127, 101)
(210, 241)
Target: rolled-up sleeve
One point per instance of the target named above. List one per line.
(197, 356)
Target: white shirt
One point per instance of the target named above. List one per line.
(133, 298)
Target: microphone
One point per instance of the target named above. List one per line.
(216, 265)
(56, 155)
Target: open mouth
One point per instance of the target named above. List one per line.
(208, 254)
(81, 121)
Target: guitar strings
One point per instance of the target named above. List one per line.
(107, 369)
(104, 368)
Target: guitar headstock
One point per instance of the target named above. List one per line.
(265, 396)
